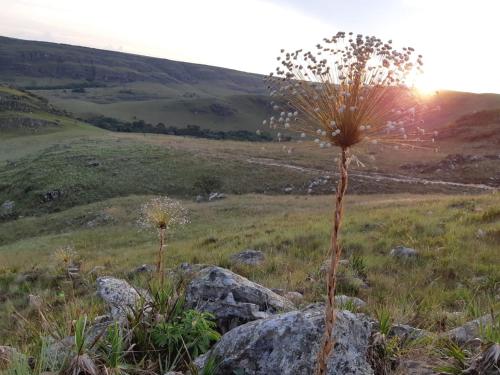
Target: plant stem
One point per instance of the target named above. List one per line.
(331, 282)
(159, 266)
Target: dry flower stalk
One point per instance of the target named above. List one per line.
(351, 90)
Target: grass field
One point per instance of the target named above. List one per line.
(455, 278)
(78, 187)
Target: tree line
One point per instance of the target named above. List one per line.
(140, 126)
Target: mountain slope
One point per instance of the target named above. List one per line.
(66, 63)
(91, 82)
(23, 113)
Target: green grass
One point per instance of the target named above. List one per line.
(454, 279)
(455, 268)
(165, 105)
(126, 166)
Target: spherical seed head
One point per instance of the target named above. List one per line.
(356, 81)
(162, 213)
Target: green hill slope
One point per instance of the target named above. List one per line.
(91, 82)
(61, 64)
(23, 113)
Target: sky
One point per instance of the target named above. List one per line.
(458, 38)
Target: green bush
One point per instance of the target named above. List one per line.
(192, 331)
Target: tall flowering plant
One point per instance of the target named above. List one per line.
(350, 89)
(162, 214)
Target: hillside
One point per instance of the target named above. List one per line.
(90, 82)
(72, 201)
(50, 161)
(23, 114)
(62, 64)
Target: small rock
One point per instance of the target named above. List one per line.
(403, 252)
(480, 233)
(288, 189)
(416, 367)
(469, 330)
(344, 262)
(479, 279)
(7, 355)
(58, 350)
(7, 209)
(326, 265)
(231, 298)
(93, 163)
(35, 302)
(143, 268)
(26, 277)
(352, 282)
(189, 270)
(248, 257)
(295, 297)
(345, 300)
(216, 196)
(120, 296)
(406, 332)
(101, 218)
(52, 195)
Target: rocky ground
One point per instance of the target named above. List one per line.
(264, 333)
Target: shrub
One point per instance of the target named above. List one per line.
(206, 184)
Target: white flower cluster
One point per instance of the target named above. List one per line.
(350, 89)
(162, 213)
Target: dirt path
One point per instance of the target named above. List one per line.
(374, 176)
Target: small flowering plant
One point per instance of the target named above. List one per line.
(162, 214)
(350, 89)
(65, 257)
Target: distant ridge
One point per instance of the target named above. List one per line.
(24, 58)
(92, 83)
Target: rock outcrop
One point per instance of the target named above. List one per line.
(287, 344)
(119, 295)
(232, 299)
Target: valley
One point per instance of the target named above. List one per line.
(67, 184)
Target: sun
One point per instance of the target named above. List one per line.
(425, 86)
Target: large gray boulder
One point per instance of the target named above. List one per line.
(119, 295)
(231, 298)
(287, 344)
